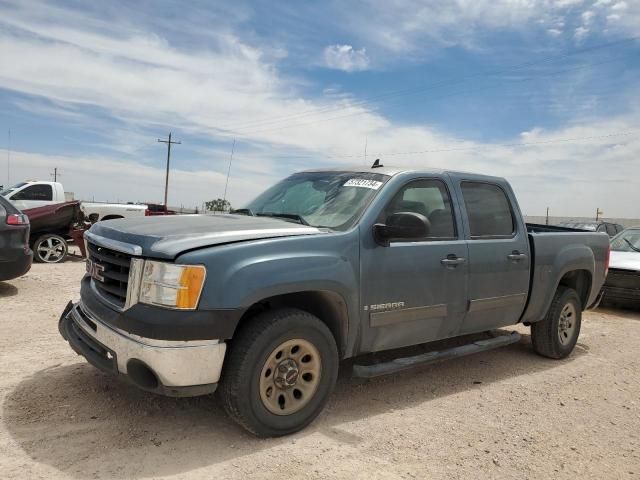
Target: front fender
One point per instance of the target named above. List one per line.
(241, 274)
(254, 279)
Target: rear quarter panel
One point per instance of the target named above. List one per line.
(554, 255)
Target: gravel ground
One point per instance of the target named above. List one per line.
(501, 414)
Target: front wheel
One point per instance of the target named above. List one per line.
(281, 368)
(556, 335)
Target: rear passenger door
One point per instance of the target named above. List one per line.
(498, 255)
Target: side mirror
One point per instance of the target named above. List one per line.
(402, 226)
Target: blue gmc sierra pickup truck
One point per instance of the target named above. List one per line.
(263, 304)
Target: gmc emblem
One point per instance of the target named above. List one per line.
(95, 270)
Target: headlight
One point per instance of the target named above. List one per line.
(169, 285)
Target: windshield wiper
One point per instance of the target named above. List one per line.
(635, 249)
(285, 216)
(243, 211)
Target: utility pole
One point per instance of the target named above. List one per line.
(169, 142)
(226, 184)
(598, 213)
(55, 174)
(547, 215)
(9, 158)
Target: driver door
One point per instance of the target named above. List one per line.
(414, 292)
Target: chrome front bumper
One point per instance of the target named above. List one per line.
(175, 368)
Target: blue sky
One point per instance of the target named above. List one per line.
(542, 92)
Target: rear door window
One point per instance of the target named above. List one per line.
(488, 209)
(35, 192)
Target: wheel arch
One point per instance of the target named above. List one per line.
(329, 306)
(580, 281)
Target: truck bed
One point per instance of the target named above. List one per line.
(540, 228)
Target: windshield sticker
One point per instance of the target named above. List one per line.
(363, 183)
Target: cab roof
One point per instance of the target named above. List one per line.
(394, 170)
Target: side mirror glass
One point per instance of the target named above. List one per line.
(402, 226)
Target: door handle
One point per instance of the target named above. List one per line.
(516, 256)
(452, 261)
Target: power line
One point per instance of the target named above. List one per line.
(462, 79)
(341, 156)
(454, 94)
(518, 144)
(366, 141)
(226, 183)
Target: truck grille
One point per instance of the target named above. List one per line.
(111, 278)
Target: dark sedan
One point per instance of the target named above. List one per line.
(15, 254)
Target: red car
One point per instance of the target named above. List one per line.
(155, 209)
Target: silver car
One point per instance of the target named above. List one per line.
(622, 285)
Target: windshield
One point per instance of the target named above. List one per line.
(321, 199)
(7, 191)
(627, 241)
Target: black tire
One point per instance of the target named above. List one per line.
(252, 347)
(50, 248)
(547, 336)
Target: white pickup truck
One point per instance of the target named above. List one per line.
(32, 194)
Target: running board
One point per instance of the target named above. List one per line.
(405, 363)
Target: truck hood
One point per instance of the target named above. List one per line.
(168, 236)
(625, 260)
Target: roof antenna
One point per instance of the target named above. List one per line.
(377, 164)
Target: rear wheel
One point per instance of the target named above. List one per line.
(50, 248)
(279, 373)
(556, 335)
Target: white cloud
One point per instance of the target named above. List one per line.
(554, 32)
(417, 28)
(587, 17)
(568, 3)
(580, 33)
(345, 57)
(145, 80)
(572, 170)
(108, 179)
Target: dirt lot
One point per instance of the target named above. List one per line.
(500, 414)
